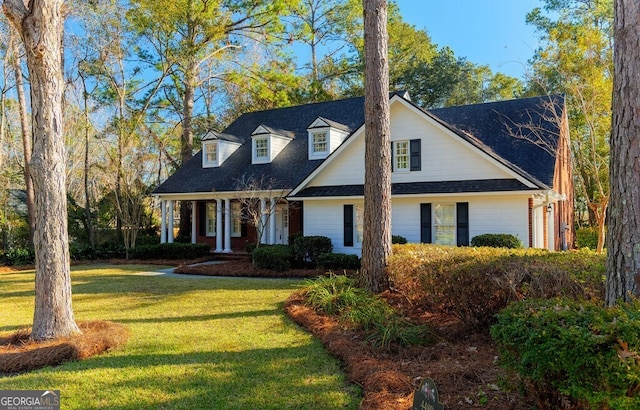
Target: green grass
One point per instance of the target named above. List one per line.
(196, 343)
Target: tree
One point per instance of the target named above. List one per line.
(576, 59)
(623, 249)
(41, 24)
(376, 244)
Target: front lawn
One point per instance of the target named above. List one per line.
(195, 343)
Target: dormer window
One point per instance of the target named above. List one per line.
(211, 153)
(320, 142)
(217, 147)
(267, 143)
(325, 136)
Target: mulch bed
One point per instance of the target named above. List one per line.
(18, 353)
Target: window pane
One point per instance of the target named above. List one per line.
(445, 214)
(401, 155)
(320, 142)
(261, 147)
(211, 219)
(359, 224)
(445, 235)
(444, 224)
(236, 219)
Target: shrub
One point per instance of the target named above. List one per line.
(19, 255)
(170, 251)
(307, 248)
(335, 261)
(339, 296)
(476, 283)
(397, 239)
(497, 240)
(582, 350)
(249, 247)
(275, 257)
(587, 238)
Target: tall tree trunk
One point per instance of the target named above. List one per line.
(376, 246)
(87, 196)
(623, 244)
(26, 141)
(41, 29)
(186, 142)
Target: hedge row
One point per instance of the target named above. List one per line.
(476, 283)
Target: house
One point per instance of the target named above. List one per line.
(457, 172)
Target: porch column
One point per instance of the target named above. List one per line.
(263, 220)
(163, 221)
(272, 221)
(193, 221)
(218, 225)
(227, 226)
(170, 235)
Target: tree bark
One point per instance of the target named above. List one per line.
(41, 27)
(623, 244)
(26, 142)
(186, 143)
(376, 246)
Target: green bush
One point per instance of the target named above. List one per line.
(275, 257)
(587, 238)
(497, 240)
(170, 251)
(19, 255)
(249, 247)
(335, 261)
(399, 240)
(582, 350)
(307, 248)
(476, 283)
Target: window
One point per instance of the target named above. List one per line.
(211, 150)
(211, 219)
(319, 142)
(401, 156)
(262, 147)
(236, 219)
(444, 224)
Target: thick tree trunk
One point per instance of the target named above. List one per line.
(41, 30)
(623, 244)
(376, 246)
(26, 142)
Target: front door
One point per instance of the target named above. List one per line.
(282, 224)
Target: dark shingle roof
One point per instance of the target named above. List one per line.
(484, 125)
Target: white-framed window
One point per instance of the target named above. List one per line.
(236, 219)
(444, 224)
(320, 145)
(210, 154)
(401, 156)
(262, 147)
(358, 225)
(211, 219)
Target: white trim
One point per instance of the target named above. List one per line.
(218, 226)
(170, 234)
(227, 225)
(427, 195)
(193, 222)
(201, 196)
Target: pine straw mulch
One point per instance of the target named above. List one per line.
(245, 268)
(463, 367)
(18, 353)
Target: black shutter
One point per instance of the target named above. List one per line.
(202, 218)
(348, 225)
(462, 223)
(414, 150)
(425, 223)
(392, 168)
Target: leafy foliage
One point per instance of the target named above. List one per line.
(497, 240)
(584, 351)
(397, 239)
(587, 238)
(276, 257)
(170, 251)
(308, 248)
(336, 261)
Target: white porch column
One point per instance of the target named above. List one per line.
(272, 221)
(227, 226)
(170, 234)
(193, 221)
(163, 221)
(218, 225)
(263, 220)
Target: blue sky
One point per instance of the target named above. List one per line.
(492, 32)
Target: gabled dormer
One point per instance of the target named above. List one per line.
(217, 147)
(267, 142)
(325, 136)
